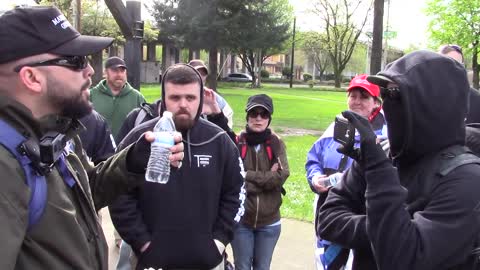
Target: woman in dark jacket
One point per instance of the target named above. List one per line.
(266, 170)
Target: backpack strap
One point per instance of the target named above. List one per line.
(242, 145)
(455, 157)
(268, 148)
(442, 164)
(140, 116)
(12, 140)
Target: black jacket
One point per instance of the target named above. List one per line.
(367, 210)
(97, 140)
(473, 115)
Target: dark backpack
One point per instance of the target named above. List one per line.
(14, 142)
(442, 164)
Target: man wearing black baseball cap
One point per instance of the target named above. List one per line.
(114, 97)
(419, 209)
(50, 192)
(200, 66)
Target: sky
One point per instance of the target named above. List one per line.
(406, 18)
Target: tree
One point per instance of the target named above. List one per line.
(314, 47)
(457, 22)
(261, 29)
(341, 29)
(245, 26)
(196, 24)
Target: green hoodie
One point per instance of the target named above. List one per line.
(115, 108)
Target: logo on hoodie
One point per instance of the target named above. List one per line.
(203, 160)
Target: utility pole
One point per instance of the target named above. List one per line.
(387, 35)
(77, 14)
(376, 56)
(293, 52)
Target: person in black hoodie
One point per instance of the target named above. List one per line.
(186, 223)
(97, 140)
(399, 213)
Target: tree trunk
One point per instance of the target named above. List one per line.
(112, 51)
(212, 67)
(475, 69)
(338, 79)
(221, 72)
(97, 65)
(190, 54)
(376, 56)
(233, 63)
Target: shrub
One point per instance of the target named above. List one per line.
(307, 77)
(286, 72)
(311, 83)
(264, 73)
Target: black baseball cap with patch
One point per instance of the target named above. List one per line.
(28, 31)
(115, 62)
(260, 100)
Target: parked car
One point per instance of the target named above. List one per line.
(238, 77)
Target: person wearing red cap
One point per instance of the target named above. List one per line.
(323, 160)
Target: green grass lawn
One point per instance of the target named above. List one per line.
(297, 108)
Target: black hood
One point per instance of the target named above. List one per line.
(200, 107)
(434, 96)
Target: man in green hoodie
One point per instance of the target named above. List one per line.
(114, 97)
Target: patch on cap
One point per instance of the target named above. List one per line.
(28, 31)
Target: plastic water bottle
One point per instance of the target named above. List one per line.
(332, 180)
(158, 168)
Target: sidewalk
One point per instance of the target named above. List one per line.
(294, 249)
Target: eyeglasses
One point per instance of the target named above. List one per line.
(263, 113)
(76, 63)
(390, 92)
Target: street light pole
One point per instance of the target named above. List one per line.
(293, 52)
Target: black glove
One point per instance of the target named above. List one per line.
(138, 155)
(370, 154)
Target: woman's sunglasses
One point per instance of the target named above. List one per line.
(263, 113)
(76, 63)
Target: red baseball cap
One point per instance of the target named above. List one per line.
(361, 82)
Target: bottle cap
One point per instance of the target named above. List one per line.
(167, 114)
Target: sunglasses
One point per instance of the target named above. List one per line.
(76, 63)
(390, 92)
(263, 113)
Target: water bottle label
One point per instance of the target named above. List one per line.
(164, 139)
(333, 179)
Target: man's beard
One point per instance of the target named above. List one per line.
(182, 124)
(120, 83)
(75, 106)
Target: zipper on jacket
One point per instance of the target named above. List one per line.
(256, 212)
(257, 197)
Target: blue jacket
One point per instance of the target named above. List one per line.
(323, 154)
